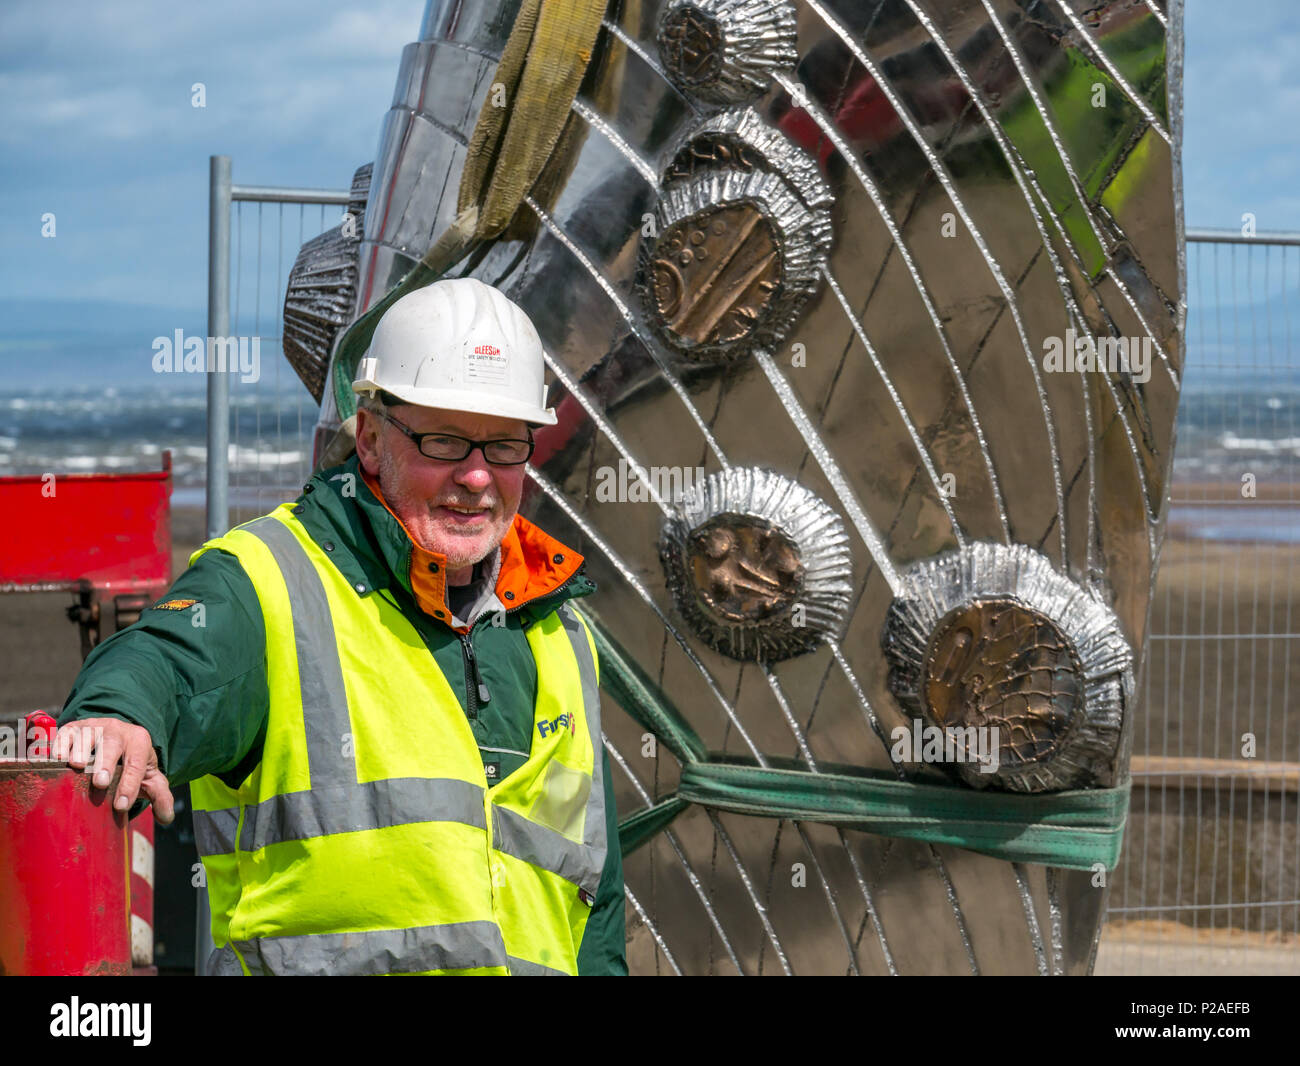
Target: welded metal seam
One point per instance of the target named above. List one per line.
(1031, 918)
(869, 186)
(691, 875)
(763, 917)
(830, 468)
(1008, 294)
(1021, 174)
(830, 899)
(634, 46)
(1054, 909)
(1018, 60)
(659, 940)
(922, 451)
(1134, 97)
(559, 234)
(599, 124)
(957, 913)
(1160, 15)
(872, 912)
(578, 393)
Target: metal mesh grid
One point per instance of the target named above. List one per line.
(1210, 878)
(271, 420)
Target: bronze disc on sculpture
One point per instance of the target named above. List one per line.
(997, 664)
(757, 565)
(994, 637)
(734, 256)
(744, 569)
(691, 45)
(725, 51)
(715, 273)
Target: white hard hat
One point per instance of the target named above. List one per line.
(459, 345)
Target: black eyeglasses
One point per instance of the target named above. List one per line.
(452, 449)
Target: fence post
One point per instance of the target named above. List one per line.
(218, 508)
(217, 496)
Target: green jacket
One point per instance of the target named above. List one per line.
(197, 680)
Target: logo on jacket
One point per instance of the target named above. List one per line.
(550, 728)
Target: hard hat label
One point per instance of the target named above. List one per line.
(487, 365)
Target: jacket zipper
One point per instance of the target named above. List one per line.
(476, 692)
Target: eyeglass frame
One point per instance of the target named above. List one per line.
(481, 445)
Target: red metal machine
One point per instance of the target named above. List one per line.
(52, 541)
(76, 880)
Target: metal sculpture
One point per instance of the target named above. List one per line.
(901, 280)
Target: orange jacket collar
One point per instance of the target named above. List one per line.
(533, 564)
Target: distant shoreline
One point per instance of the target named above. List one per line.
(1202, 510)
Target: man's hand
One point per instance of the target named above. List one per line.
(108, 740)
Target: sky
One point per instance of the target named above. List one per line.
(98, 127)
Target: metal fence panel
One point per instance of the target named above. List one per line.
(1211, 874)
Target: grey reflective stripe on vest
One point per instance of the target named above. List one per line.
(582, 864)
(214, 831)
(351, 808)
(594, 838)
(223, 962)
(336, 801)
(324, 699)
(458, 946)
(515, 835)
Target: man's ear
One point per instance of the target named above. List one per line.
(368, 441)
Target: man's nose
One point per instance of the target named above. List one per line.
(474, 473)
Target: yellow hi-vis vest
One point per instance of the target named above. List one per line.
(367, 840)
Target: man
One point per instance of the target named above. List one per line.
(381, 693)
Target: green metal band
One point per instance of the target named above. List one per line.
(636, 829)
(1074, 830)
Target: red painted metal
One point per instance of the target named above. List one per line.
(64, 874)
(112, 530)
